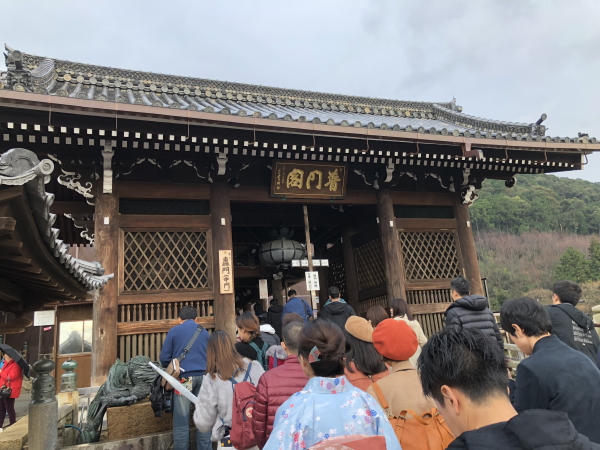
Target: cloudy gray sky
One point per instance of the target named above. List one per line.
(502, 59)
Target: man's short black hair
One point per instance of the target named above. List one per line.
(188, 312)
(290, 335)
(334, 292)
(291, 293)
(567, 291)
(463, 359)
(274, 302)
(461, 285)
(526, 313)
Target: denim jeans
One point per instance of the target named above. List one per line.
(181, 421)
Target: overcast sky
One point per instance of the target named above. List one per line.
(502, 59)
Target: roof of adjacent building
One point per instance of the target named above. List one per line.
(21, 167)
(70, 79)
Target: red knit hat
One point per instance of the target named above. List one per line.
(395, 340)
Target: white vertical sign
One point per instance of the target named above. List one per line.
(263, 289)
(312, 281)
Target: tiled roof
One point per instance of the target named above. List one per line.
(90, 82)
(21, 167)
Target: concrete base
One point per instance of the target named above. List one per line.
(135, 420)
(159, 441)
(15, 436)
(43, 433)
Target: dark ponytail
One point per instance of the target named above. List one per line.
(330, 343)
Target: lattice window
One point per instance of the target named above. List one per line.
(161, 311)
(369, 264)
(165, 260)
(380, 300)
(429, 255)
(336, 275)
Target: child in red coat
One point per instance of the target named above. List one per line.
(11, 376)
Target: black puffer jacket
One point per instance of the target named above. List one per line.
(575, 329)
(472, 312)
(274, 318)
(338, 312)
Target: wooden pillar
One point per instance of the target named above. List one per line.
(392, 256)
(106, 243)
(220, 212)
(467, 246)
(350, 267)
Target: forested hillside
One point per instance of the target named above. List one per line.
(538, 203)
(543, 229)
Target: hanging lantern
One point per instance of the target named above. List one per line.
(280, 253)
(282, 250)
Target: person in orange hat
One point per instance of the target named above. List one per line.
(396, 342)
(363, 365)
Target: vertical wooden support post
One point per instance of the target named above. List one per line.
(220, 212)
(308, 253)
(392, 256)
(350, 267)
(467, 246)
(106, 243)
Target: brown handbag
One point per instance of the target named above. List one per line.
(427, 431)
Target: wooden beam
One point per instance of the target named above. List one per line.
(9, 243)
(106, 304)
(166, 296)
(350, 267)
(426, 224)
(10, 292)
(254, 194)
(157, 326)
(390, 243)
(7, 225)
(429, 308)
(467, 248)
(438, 283)
(175, 191)
(224, 305)
(70, 207)
(14, 258)
(168, 223)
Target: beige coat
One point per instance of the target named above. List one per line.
(402, 390)
(416, 327)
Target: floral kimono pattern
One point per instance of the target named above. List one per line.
(328, 407)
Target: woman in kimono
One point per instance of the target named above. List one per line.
(329, 405)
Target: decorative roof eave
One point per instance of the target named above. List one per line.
(149, 113)
(21, 167)
(89, 82)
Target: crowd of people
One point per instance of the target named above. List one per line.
(340, 375)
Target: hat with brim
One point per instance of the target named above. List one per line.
(395, 340)
(360, 328)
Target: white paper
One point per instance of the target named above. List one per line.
(43, 318)
(176, 384)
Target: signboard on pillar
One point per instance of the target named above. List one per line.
(312, 281)
(306, 180)
(225, 272)
(263, 289)
(43, 318)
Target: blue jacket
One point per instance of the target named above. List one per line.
(298, 306)
(194, 364)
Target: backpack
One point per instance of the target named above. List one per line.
(160, 398)
(427, 431)
(261, 355)
(242, 423)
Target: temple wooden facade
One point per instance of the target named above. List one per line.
(163, 173)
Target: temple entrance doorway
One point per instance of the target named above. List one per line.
(255, 227)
